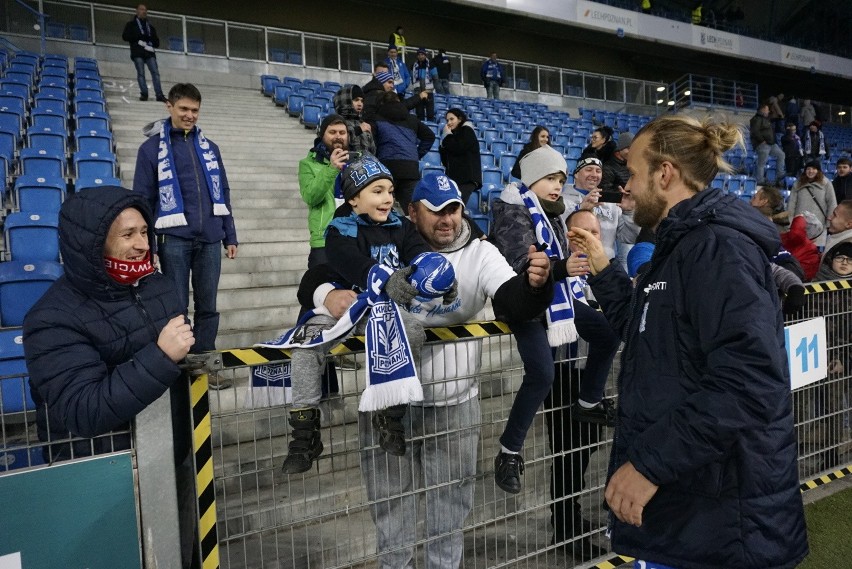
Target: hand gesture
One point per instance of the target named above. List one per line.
(339, 157)
(176, 338)
(538, 270)
(231, 251)
(338, 301)
(577, 265)
(628, 203)
(591, 200)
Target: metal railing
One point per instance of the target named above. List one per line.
(101, 24)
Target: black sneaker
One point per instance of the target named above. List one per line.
(306, 444)
(602, 414)
(143, 97)
(391, 431)
(508, 469)
(162, 98)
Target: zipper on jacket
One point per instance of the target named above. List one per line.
(137, 300)
(197, 184)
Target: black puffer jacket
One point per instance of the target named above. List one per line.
(704, 407)
(136, 30)
(91, 343)
(460, 155)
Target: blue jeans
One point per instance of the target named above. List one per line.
(180, 257)
(441, 457)
(151, 62)
(537, 356)
(492, 90)
(763, 152)
(442, 86)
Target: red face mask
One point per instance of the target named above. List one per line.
(128, 272)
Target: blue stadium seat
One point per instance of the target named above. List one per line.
(492, 176)
(42, 163)
(294, 104)
(81, 184)
(88, 83)
(433, 169)
(498, 147)
(93, 121)
(175, 43)
(280, 95)
(51, 103)
(507, 161)
(431, 158)
(54, 30)
(15, 394)
(573, 152)
(310, 115)
(473, 202)
(718, 182)
(84, 93)
(195, 45)
(267, 81)
(482, 221)
(292, 82)
(14, 89)
(486, 159)
(277, 55)
(294, 57)
(21, 285)
(93, 165)
(32, 236)
(97, 141)
(34, 194)
(44, 138)
(78, 32)
(86, 106)
(86, 71)
(53, 74)
(47, 118)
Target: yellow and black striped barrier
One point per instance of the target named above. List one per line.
(827, 286)
(826, 478)
(202, 449)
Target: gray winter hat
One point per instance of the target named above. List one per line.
(540, 163)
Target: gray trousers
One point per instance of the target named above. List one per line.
(441, 457)
(308, 364)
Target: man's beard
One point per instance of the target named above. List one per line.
(650, 208)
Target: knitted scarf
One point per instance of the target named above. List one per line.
(170, 211)
(560, 314)
(391, 375)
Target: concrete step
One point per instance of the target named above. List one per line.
(282, 234)
(231, 281)
(244, 264)
(257, 297)
(270, 317)
(290, 248)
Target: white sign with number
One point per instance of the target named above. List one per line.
(11, 561)
(807, 353)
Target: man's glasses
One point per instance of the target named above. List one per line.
(843, 259)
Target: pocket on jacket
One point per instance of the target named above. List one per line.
(711, 480)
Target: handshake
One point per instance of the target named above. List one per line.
(145, 46)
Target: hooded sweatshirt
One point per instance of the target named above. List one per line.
(359, 140)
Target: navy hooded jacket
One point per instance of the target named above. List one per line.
(91, 343)
(705, 410)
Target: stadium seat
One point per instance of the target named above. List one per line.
(93, 121)
(433, 169)
(294, 104)
(195, 45)
(88, 83)
(32, 236)
(50, 103)
(472, 204)
(97, 141)
(94, 165)
(277, 55)
(86, 71)
(78, 32)
(268, 84)
(36, 194)
(81, 184)
(310, 115)
(431, 158)
(486, 159)
(507, 161)
(15, 388)
(85, 93)
(54, 30)
(492, 176)
(175, 43)
(43, 138)
(42, 163)
(47, 118)
(482, 221)
(21, 285)
(498, 147)
(280, 95)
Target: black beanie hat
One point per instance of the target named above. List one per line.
(357, 92)
(327, 122)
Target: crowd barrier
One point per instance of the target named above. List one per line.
(252, 516)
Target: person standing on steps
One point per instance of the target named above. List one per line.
(143, 40)
(181, 174)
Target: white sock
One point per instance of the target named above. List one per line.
(507, 451)
(585, 404)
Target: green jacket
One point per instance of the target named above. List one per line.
(316, 184)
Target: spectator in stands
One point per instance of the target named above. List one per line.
(791, 144)
(399, 71)
(528, 215)
(182, 175)
(799, 241)
(837, 265)
(401, 141)
(444, 429)
(776, 115)
(601, 144)
(492, 76)
(696, 17)
(815, 145)
(381, 83)
(317, 174)
(839, 224)
(616, 219)
(441, 62)
(842, 181)
(105, 341)
(791, 111)
(814, 193)
(143, 40)
(615, 173)
(763, 141)
(705, 435)
(349, 104)
(539, 137)
(397, 39)
(423, 77)
(807, 114)
(460, 153)
(366, 232)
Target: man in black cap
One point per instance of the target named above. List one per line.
(615, 172)
(317, 172)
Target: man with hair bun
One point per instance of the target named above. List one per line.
(703, 467)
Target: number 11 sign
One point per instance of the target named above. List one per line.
(806, 352)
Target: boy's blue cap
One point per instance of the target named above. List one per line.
(436, 191)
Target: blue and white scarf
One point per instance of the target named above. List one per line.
(270, 385)
(391, 375)
(560, 314)
(170, 211)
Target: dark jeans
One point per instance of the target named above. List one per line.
(151, 62)
(425, 109)
(316, 257)
(180, 257)
(569, 441)
(403, 189)
(442, 86)
(537, 356)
